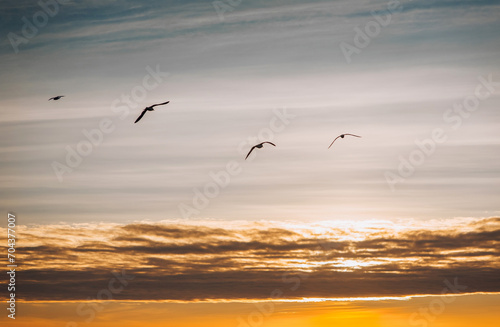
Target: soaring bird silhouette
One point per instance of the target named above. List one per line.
(342, 136)
(56, 98)
(150, 108)
(258, 146)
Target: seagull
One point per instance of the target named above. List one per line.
(342, 136)
(56, 98)
(150, 108)
(258, 146)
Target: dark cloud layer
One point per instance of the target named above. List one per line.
(207, 262)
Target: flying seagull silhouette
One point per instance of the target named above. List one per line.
(258, 146)
(56, 98)
(150, 108)
(342, 136)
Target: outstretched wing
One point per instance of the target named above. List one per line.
(334, 141)
(353, 135)
(250, 151)
(159, 104)
(142, 114)
(269, 143)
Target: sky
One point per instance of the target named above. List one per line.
(171, 200)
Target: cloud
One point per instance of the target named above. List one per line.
(230, 261)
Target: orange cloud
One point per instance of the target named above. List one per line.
(214, 261)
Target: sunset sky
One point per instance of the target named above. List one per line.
(371, 232)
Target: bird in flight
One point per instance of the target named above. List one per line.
(150, 108)
(342, 136)
(258, 146)
(56, 98)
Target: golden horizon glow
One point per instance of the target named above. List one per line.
(456, 312)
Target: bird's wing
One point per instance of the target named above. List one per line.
(142, 114)
(353, 135)
(334, 141)
(159, 104)
(250, 152)
(52, 98)
(269, 143)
